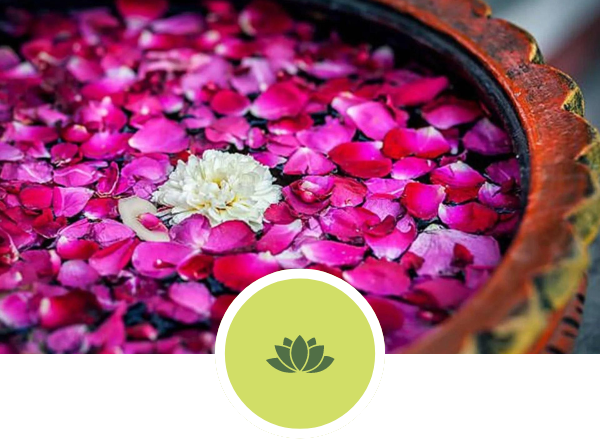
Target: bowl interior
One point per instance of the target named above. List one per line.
(367, 21)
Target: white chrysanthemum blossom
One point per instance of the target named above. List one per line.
(222, 187)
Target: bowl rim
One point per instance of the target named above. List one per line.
(529, 293)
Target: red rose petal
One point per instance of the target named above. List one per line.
(361, 159)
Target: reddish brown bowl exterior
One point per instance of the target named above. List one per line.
(531, 303)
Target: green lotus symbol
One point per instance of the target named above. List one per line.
(300, 356)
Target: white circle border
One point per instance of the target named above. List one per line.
(350, 291)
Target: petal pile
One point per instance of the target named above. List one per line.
(393, 178)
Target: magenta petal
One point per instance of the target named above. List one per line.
(105, 145)
(283, 99)
(347, 192)
(372, 118)
(160, 135)
(77, 274)
(69, 202)
(19, 132)
(279, 237)
(16, 310)
(436, 248)
(383, 206)
(506, 173)
(32, 172)
(410, 168)
(108, 231)
(449, 112)
(420, 91)
(239, 271)
(324, 138)
(425, 142)
(159, 259)
(361, 159)
(447, 292)
(470, 217)
(192, 295)
(82, 174)
(492, 196)
(229, 236)
(309, 195)
(264, 18)
(114, 258)
(8, 58)
(192, 231)
(138, 13)
(347, 224)
(393, 245)
(10, 153)
(386, 186)
(111, 334)
(182, 24)
(70, 339)
(36, 197)
(457, 175)
(423, 200)
(378, 277)
(332, 253)
(485, 138)
(306, 161)
(229, 103)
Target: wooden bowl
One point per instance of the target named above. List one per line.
(533, 302)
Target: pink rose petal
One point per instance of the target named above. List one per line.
(138, 13)
(425, 142)
(263, 18)
(17, 311)
(36, 197)
(159, 259)
(77, 274)
(306, 161)
(192, 231)
(229, 103)
(487, 139)
(279, 237)
(420, 91)
(372, 118)
(332, 253)
(460, 180)
(160, 135)
(436, 248)
(230, 236)
(324, 138)
(423, 200)
(492, 196)
(379, 277)
(239, 271)
(393, 245)
(361, 159)
(470, 217)
(348, 224)
(410, 168)
(449, 112)
(446, 292)
(192, 295)
(69, 202)
(283, 99)
(114, 258)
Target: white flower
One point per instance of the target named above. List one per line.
(222, 187)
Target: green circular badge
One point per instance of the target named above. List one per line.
(299, 351)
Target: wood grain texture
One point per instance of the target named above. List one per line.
(523, 305)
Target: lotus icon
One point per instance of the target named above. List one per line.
(300, 356)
